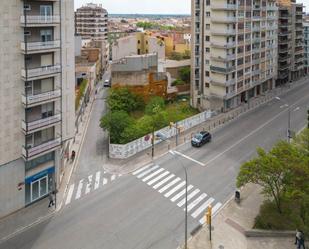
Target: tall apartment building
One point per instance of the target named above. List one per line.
(91, 22)
(234, 51)
(36, 98)
(306, 45)
(290, 41)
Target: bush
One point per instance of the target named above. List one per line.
(178, 82)
(81, 92)
(185, 74)
(154, 102)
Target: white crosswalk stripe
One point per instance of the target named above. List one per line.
(181, 193)
(113, 178)
(105, 181)
(70, 193)
(158, 178)
(79, 189)
(88, 186)
(190, 196)
(169, 185)
(147, 171)
(152, 175)
(216, 208)
(205, 205)
(141, 169)
(196, 201)
(97, 180)
(172, 191)
(163, 181)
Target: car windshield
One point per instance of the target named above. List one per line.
(198, 136)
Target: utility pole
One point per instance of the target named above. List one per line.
(152, 142)
(208, 219)
(289, 125)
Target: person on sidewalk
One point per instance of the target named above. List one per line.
(51, 200)
(73, 156)
(300, 239)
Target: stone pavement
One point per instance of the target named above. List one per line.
(232, 223)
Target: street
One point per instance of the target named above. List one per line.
(145, 209)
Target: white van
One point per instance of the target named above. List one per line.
(107, 83)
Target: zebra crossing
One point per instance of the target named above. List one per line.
(86, 185)
(173, 188)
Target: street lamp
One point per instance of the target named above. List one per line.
(186, 199)
(289, 116)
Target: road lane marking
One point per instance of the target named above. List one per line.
(190, 196)
(214, 210)
(97, 180)
(205, 205)
(79, 189)
(113, 178)
(152, 175)
(158, 178)
(147, 171)
(88, 186)
(141, 169)
(105, 181)
(163, 181)
(196, 201)
(70, 193)
(181, 193)
(169, 185)
(169, 193)
(189, 158)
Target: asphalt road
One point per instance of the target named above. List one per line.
(130, 214)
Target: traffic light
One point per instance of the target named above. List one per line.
(208, 215)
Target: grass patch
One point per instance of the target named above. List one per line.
(80, 92)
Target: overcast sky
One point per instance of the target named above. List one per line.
(149, 6)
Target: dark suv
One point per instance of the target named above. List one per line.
(201, 138)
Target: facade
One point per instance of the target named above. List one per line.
(290, 42)
(306, 45)
(234, 51)
(91, 22)
(37, 98)
(138, 44)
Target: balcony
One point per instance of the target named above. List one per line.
(30, 152)
(38, 21)
(223, 83)
(222, 69)
(41, 98)
(224, 32)
(225, 58)
(223, 6)
(33, 47)
(40, 72)
(271, 17)
(225, 19)
(223, 44)
(29, 127)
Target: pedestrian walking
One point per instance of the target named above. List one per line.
(73, 155)
(51, 200)
(300, 239)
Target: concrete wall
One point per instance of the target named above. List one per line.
(156, 46)
(124, 47)
(11, 199)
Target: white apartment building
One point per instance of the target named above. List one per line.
(306, 45)
(234, 51)
(36, 98)
(91, 22)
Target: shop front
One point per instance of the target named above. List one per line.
(39, 185)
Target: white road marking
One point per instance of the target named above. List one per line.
(88, 186)
(105, 181)
(79, 189)
(169, 185)
(141, 169)
(70, 193)
(202, 220)
(152, 175)
(216, 208)
(169, 193)
(147, 171)
(113, 178)
(158, 178)
(97, 179)
(196, 201)
(163, 181)
(190, 196)
(189, 158)
(181, 193)
(202, 207)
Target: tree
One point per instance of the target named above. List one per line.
(115, 123)
(122, 99)
(155, 102)
(302, 142)
(270, 170)
(185, 74)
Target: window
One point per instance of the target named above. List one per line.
(207, 26)
(207, 50)
(207, 2)
(207, 73)
(27, 7)
(207, 85)
(207, 38)
(207, 62)
(208, 14)
(139, 42)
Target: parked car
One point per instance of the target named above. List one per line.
(201, 138)
(107, 83)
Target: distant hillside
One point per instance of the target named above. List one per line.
(150, 16)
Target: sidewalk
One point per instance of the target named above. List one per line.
(232, 227)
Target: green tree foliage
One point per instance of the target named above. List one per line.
(122, 99)
(154, 104)
(185, 74)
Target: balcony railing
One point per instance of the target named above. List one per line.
(223, 44)
(39, 98)
(223, 6)
(40, 71)
(39, 20)
(40, 123)
(32, 151)
(38, 46)
(222, 69)
(223, 32)
(225, 19)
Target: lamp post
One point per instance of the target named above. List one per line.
(186, 199)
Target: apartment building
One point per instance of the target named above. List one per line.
(306, 45)
(36, 98)
(290, 41)
(234, 51)
(91, 22)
